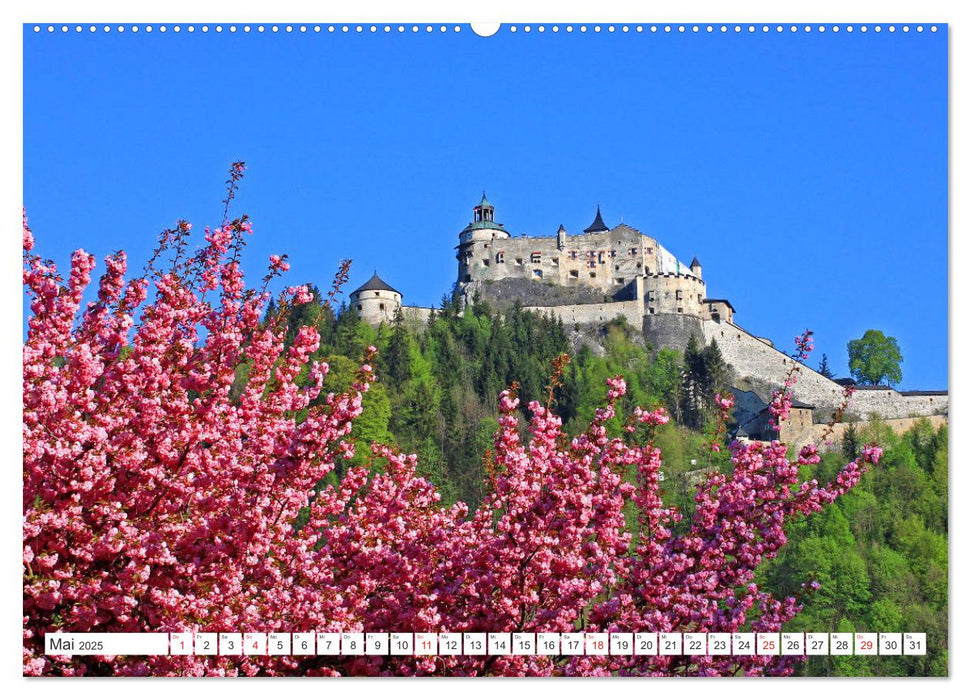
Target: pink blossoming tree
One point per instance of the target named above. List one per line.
(157, 499)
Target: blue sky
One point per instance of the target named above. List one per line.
(807, 171)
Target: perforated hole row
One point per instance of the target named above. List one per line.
(512, 28)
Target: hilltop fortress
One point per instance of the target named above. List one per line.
(602, 273)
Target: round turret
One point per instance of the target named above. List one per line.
(483, 225)
(476, 240)
(376, 301)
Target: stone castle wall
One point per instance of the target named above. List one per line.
(674, 294)
(416, 315)
(757, 365)
(760, 367)
(606, 261)
(671, 330)
(816, 433)
(631, 311)
(888, 403)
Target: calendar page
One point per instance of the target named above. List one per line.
(518, 348)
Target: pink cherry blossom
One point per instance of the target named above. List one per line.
(158, 498)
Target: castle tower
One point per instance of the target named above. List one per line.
(484, 212)
(476, 248)
(561, 238)
(376, 301)
(598, 225)
(696, 268)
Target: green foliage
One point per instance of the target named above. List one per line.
(879, 554)
(875, 358)
(704, 375)
(824, 368)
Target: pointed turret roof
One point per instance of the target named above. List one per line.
(561, 229)
(695, 263)
(598, 224)
(484, 202)
(375, 284)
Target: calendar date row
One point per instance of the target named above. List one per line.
(488, 644)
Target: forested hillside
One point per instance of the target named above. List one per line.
(879, 553)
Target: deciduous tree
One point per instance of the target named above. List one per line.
(875, 358)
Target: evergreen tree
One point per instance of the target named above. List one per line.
(716, 375)
(851, 443)
(694, 381)
(824, 368)
(396, 359)
(704, 375)
(351, 335)
(300, 315)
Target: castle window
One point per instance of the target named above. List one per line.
(574, 274)
(485, 262)
(535, 258)
(633, 251)
(381, 306)
(573, 255)
(650, 295)
(677, 294)
(360, 307)
(593, 274)
(592, 263)
(519, 261)
(500, 257)
(619, 280)
(613, 253)
(651, 310)
(680, 310)
(556, 262)
(649, 251)
(600, 257)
